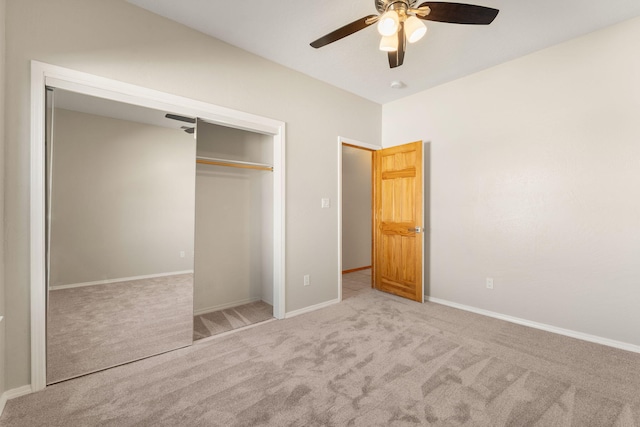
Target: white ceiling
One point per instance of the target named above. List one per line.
(281, 30)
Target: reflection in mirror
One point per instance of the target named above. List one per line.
(121, 184)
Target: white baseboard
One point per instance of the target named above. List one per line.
(121, 279)
(219, 307)
(542, 326)
(12, 394)
(311, 308)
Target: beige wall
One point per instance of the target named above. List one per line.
(122, 199)
(119, 41)
(356, 208)
(2, 132)
(234, 244)
(534, 182)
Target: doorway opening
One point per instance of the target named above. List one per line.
(400, 221)
(356, 217)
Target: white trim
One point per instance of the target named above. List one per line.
(119, 280)
(311, 308)
(279, 228)
(37, 225)
(225, 306)
(542, 326)
(101, 87)
(340, 219)
(18, 392)
(12, 394)
(424, 215)
(349, 141)
(45, 74)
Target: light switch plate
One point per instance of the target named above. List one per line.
(326, 203)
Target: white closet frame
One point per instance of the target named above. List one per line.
(42, 75)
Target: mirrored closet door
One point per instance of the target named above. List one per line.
(120, 203)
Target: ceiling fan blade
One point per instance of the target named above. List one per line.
(345, 31)
(459, 13)
(397, 58)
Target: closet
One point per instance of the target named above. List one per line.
(233, 269)
(159, 234)
(113, 222)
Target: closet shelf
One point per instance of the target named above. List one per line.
(233, 163)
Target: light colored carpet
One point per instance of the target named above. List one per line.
(96, 327)
(356, 283)
(372, 360)
(217, 322)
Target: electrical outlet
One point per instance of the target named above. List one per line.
(182, 254)
(325, 203)
(489, 283)
(307, 281)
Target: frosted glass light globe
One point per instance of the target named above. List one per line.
(388, 23)
(389, 43)
(414, 29)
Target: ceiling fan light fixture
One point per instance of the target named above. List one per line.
(399, 22)
(414, 29)
(389, 23)
(389, 43)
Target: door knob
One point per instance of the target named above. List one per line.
(416, 229)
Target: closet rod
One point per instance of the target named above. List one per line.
(233, 163)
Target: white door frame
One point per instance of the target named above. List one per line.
(45, 74)
(367, 146)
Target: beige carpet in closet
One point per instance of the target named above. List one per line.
(217, 322)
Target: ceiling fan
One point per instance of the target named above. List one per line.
(400, 22)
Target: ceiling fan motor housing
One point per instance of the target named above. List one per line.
(384, 5)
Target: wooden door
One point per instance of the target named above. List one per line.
(398, 214)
